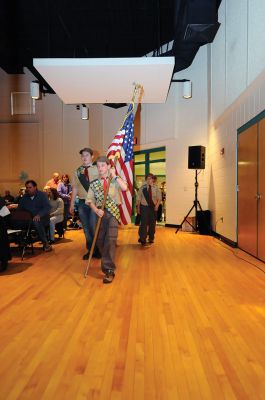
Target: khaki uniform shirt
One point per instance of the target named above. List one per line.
(114, 193)
(156, 195)
(92, 173)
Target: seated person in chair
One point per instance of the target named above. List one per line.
(54, 181)
(8, 197)
(37, 203)
(5, 254)
(65, 190)
(56, 212)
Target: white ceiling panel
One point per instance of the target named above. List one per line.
(107, 80)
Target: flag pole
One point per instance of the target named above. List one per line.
(136, 88)
(96, 232)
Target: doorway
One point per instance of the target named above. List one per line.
(151, 161)
(251, 187)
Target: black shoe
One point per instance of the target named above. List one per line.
(86, 256)
(51, 241)
(108, 278)
(47, 247)
(143, 242)
(151, 240)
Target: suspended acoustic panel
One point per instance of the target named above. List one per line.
(107, 80)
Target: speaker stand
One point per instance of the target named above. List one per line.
(196, 206)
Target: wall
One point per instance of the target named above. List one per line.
(237, 94)
(60, 133)
(178, 124)
(41, 143)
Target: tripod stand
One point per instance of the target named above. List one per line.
(196, 205)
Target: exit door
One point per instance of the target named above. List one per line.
(251, 190)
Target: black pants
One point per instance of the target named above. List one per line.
(148, 223)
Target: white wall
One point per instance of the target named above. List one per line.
(178, 124)
(237, 95)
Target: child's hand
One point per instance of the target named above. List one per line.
(100, 212)
(112, 173)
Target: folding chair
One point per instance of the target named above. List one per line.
(22, 220)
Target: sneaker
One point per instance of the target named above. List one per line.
(86, 256)
(108, 278)
(47, 247)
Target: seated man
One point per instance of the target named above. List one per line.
(8, 197)
(21, 193)
(37, 203)
(54, 181)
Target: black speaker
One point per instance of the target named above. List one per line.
(204, 222)
(196, 157)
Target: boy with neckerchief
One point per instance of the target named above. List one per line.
(110, 215)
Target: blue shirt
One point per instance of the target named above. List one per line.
(39, 205)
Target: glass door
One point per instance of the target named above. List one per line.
(151, 161)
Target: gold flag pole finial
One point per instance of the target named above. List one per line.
(137, 88)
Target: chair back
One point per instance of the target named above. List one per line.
(20, 219)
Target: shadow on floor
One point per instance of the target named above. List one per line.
(16, 267)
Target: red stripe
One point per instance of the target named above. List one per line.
(126, 201)
(125, 169)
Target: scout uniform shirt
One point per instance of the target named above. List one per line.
(79, 180)
(96, 195)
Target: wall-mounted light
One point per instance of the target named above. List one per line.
(35, 90)
(84, 111)
(187, 89)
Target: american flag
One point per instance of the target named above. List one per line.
(122, 147)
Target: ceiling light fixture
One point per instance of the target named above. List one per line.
(35, 90)
(187, 90)
(84, 112)
(187, 87)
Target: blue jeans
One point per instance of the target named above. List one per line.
(88, 219)
(41, 226)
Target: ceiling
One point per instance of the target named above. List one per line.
(108, 80)
(103, 29)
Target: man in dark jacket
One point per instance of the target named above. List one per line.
(37, 203)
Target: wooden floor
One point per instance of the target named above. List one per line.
(183, 319)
